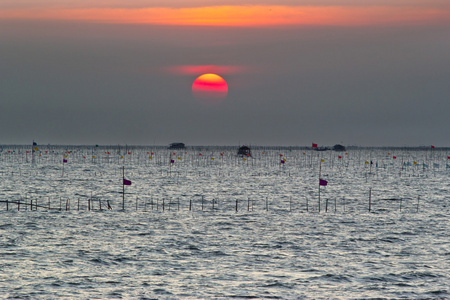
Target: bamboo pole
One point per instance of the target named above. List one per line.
(123, 188)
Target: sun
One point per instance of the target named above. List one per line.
(210, 89)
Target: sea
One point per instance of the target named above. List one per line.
(205, 222)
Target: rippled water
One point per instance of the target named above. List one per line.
(276, 245)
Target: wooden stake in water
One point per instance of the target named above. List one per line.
(418, 198)
(123, 187)
(370, 198)
(401, 199)
(320, 173)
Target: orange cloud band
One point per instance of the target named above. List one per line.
(248, 16)
(202, 69)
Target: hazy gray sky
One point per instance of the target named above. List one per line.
(76, 81)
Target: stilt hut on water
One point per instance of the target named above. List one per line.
(244, 151)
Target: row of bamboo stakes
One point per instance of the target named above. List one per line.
(96, 204)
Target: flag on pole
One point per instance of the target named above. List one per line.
(172, 161)
(126, 182)
(432, 147)
(282, 162)
(64, 160)
(323, 182)
(314, 145)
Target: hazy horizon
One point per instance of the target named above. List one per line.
(341, 72)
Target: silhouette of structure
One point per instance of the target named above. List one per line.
(244, 151)
(177, 146)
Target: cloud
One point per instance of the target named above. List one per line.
(240, 15)
(203, 69)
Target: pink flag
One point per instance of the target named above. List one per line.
(126, 182)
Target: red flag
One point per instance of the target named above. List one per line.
(126, 182)
(432, 147)
(281, 155)
(340, 157)
(314, 145)
(200, 154)
(394, 157)
(448, 157)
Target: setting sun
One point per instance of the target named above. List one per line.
(210, 88)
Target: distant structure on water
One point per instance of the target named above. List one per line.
(338, 147)
(177, 146)
(244, 151)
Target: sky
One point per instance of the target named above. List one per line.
(351, 72)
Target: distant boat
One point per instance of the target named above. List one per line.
(177, 146)
(321, 149)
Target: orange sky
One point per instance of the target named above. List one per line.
(248, 16)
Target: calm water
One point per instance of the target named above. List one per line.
(277, 245)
